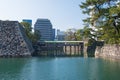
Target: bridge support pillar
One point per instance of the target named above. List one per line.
(78, 47)
(81, 48)
(65, 49)
(75, 50)
(70, 51)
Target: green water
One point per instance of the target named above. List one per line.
(73, 68)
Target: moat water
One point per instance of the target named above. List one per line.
(62, 68)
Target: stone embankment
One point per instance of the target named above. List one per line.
(108, 51)
(13, 40)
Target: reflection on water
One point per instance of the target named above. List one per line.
(59, 69)
(10, 69)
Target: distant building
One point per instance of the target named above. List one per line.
(44, 26)
(53, 34)
(60, 35)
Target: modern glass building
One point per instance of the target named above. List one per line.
(53, 34)
(44, 26)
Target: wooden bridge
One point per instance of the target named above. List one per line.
(59, 48)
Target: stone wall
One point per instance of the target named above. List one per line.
(109, 51)
(89, 51)
(13, 40)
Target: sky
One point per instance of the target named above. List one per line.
(63, 14)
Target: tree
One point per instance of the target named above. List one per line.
(27, 28)
(74, 34)
(79, 34)
(70, 34)
(104, 17)
(86, 33)
(33, 36)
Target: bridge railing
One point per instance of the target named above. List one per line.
(60, 48)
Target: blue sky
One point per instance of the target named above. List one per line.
(63, 14)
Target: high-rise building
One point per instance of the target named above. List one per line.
(44, 26)
(60, 35)
(53, 34)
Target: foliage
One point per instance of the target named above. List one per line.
(27, 28)
(70, 34)
(34, 37)
(86, 32)
(73, 34)
(104, 15)
(79, 34)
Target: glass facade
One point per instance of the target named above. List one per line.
(44, 26)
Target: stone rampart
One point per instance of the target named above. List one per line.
(109, 51)
(13, 40)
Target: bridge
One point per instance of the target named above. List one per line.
(59, 48)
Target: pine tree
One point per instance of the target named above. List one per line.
(104, 18)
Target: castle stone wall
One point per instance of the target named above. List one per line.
(13, 41)
(108, 51)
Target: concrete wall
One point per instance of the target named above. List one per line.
(108, 51)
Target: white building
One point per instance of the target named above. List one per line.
(60, 35)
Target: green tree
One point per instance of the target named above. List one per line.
(70, 34)
(104, 16)
(27, 28)
(33, 36)
(79, 34)
(74, 34)
(86, 33)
